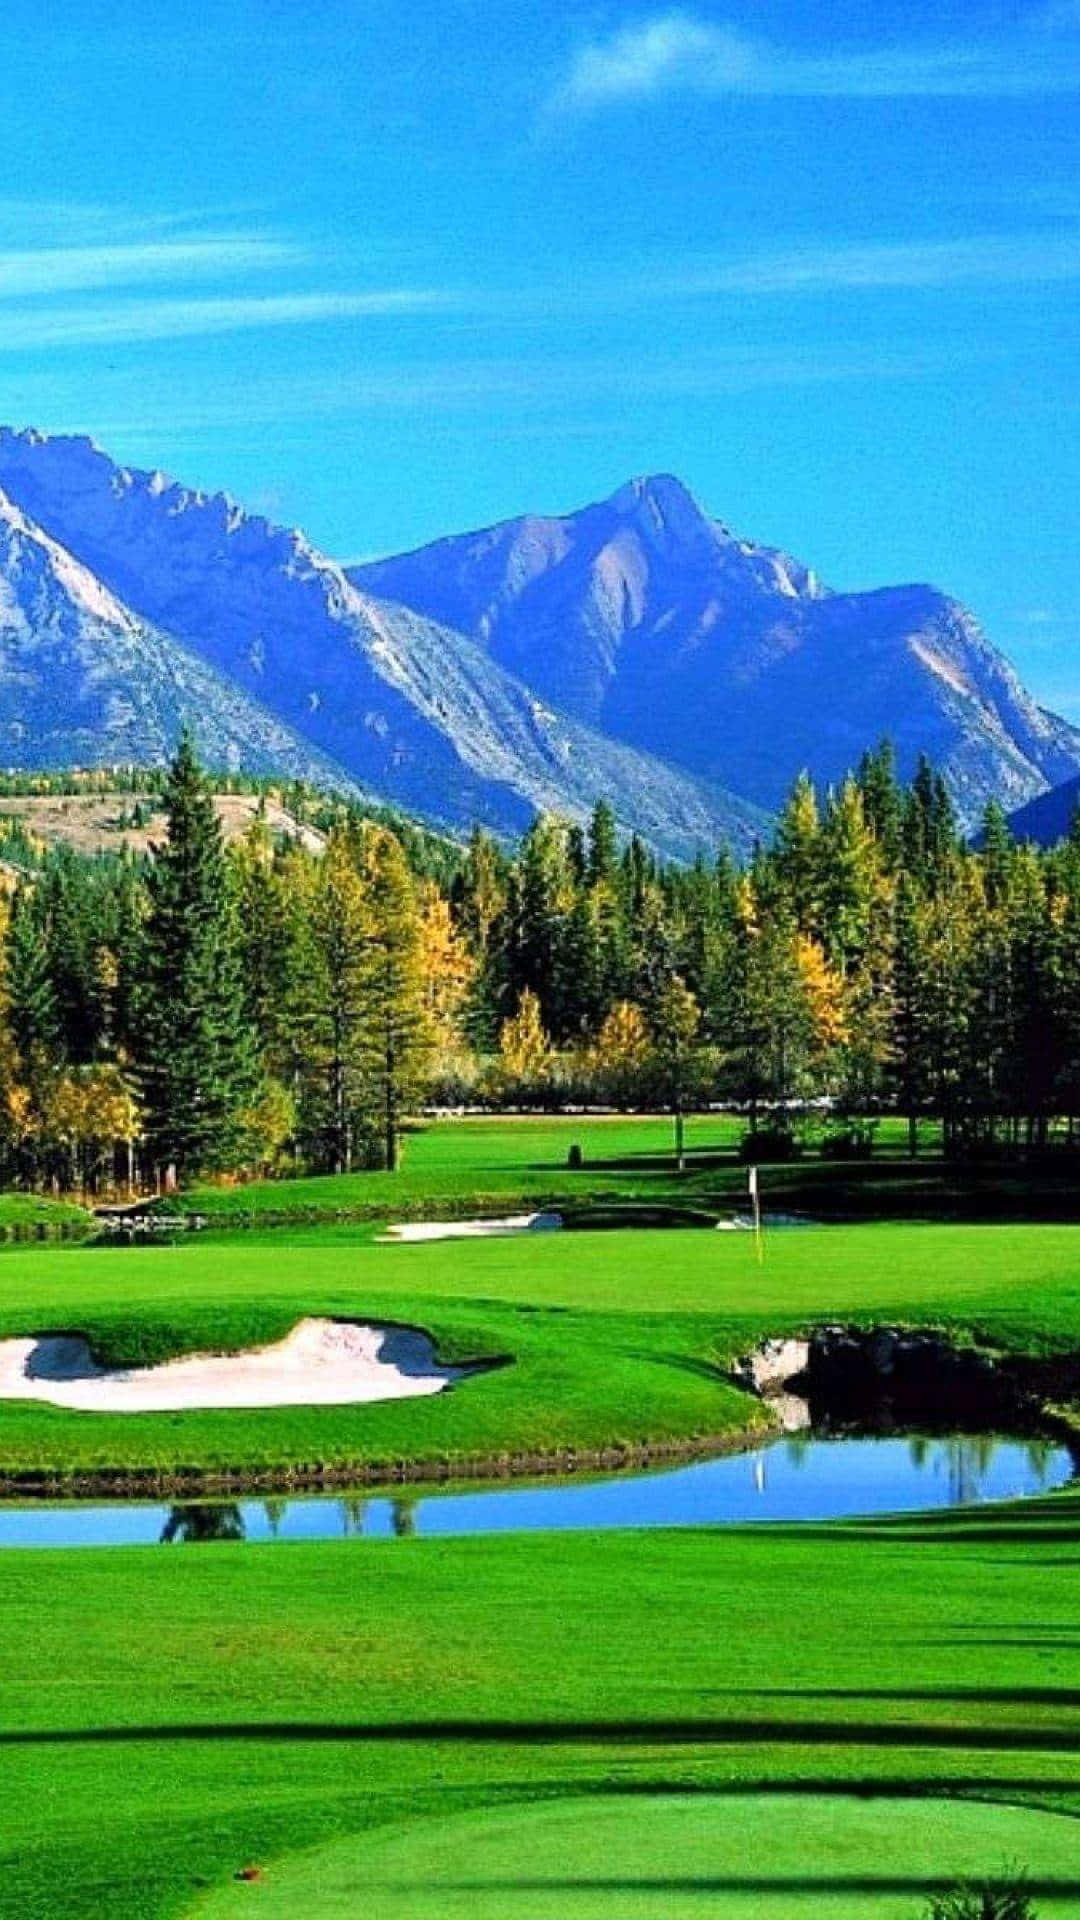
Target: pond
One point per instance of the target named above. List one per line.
(804, 1477)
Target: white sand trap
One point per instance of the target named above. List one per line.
(321, 1363)
(474, 1229)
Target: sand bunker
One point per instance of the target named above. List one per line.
(321, 1363)
(474, 1229)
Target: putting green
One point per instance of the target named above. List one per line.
(744, 1856)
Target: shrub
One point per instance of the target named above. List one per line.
(1004, 1899)
(768, 1143)
(848, 1143)
(575, 1159)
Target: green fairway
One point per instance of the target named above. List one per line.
(484, 1164)
(741, 1856)
(648, 1718)
(168, 1718)
(497, 1164)
(610, 1340)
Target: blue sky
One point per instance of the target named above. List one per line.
(387, 270)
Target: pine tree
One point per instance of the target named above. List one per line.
(882, 802)
(396, 1030)
(479, 897)
(544, 899)
(997, 848)
(31, 996)
(850, 874)
(676, 1018)
(909, 982)
(196, 1067)
(797, 855)
(603, 851)
(330, 1005)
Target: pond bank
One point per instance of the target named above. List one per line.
(808, 1478)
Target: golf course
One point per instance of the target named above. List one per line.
(776, 1720)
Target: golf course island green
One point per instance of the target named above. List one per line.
(774, 1720)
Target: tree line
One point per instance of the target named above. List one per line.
(263, 1007)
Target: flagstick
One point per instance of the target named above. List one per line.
(755, 1196)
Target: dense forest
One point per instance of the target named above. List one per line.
(264, 1007)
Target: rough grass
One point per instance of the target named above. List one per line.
(32, 1210)
(169, 1717)
(612, 1340)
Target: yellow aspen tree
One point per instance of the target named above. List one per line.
(823, 987)
(524, 1048)
(621, 1049)
(446, 965)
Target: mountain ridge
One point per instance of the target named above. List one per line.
(414, 711)
(128, 687)
(636, 650)
(664, 628)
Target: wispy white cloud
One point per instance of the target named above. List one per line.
(817, 264)
(1001, 259)
(460, 387)
(679, 52)
(35, 271)
(24, 329)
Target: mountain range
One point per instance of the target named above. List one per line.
(646, 618)
(636, 650)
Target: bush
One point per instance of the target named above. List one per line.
(575, 1159)
(768, 1143)
(1004, 1899)
(848, 1143)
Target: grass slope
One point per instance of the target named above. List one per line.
(616, 1858)
(616, 1340)
(168, 1717)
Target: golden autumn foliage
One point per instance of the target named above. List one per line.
(823, 987)
(623, 1043)
(524, 1047)
(447, 968)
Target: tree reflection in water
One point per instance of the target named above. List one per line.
(204, 1523)
(275, 1509)
(353, 1510)
(403, 1517)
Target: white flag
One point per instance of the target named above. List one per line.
(753, 1184)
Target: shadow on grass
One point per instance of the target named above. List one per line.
(645, 1733)
(820, 1884)
(1067, 1698)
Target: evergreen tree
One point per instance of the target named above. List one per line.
(797, 855)
(332, 1006)
(676, 1018)
(882, 802)
(603, 848)
(997, 848)
(196, 1066)
(396, 1031)
(31, 994)
(850, 870)
(909, 981)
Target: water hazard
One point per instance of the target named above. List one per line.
(800, 1478)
